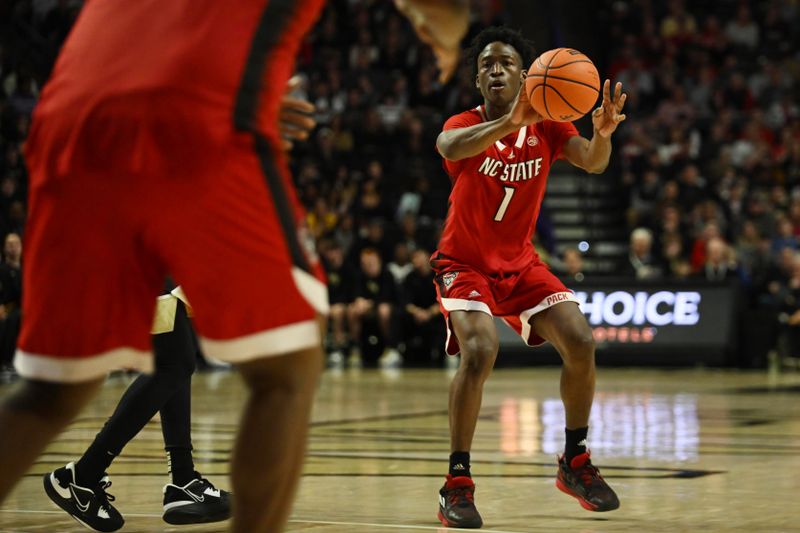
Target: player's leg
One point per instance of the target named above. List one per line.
(174, 361)
(32, 415)
(477, 337)
(564, 326)
(470, 331)
(141, 401)
(271, 443)
(176, 352)
(189, 498)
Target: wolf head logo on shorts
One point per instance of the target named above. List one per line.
(448, 278)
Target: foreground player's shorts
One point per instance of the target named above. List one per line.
(515, 298)
(149, 186)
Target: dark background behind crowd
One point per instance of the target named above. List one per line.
(708, 160)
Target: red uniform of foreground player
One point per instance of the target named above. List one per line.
(155, 150)
(498, 156)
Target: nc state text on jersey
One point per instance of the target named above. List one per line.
(522, 171)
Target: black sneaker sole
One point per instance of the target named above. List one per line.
(67, 506)
(470, 525)
(584, 503)
(195, 514)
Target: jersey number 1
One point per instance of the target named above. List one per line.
(501, 211)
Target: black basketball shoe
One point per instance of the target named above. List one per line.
(89, 506)
(582, 480)
(457, 503)
(197, 502)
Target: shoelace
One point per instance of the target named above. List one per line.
(103, 496)
(205, 483)
(463, 492)
(588, 473)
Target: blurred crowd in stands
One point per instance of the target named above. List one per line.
(709, 155)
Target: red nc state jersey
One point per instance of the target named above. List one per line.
(497, 195)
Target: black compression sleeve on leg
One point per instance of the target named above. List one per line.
(176, 412)
(143, 399)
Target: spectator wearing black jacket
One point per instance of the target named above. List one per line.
(421, 315)
(375, 297)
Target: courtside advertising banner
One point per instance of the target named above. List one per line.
(691, 321)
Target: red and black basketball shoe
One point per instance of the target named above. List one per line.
(582, 480)
(457, 503)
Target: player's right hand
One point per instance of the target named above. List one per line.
(441, 24)
(523, 112)
(295, 120)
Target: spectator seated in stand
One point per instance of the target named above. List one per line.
(720, 263)
(641, 263)
(422, 322)
(372, 311)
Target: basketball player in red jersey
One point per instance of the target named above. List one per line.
(155, 150)
(498, 156)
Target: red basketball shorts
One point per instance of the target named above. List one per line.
(513, 298)
(127, 192)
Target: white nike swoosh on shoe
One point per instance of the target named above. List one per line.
(196, 497)
(83, 507)
(173, 505)
(64, 493)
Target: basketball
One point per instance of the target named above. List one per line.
(562, 84)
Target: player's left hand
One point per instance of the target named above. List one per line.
(608, 116)
(295, 120)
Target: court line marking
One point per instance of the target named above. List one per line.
(394, 526)
(65, 515)
(293, 521)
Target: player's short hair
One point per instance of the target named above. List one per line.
(503, 34)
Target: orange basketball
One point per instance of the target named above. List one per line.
(562, 84)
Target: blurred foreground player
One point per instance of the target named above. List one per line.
(498, 156)
(80, 488)
(155, 149)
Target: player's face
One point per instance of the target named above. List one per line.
(500, 73)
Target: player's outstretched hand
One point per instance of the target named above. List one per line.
(523, 112)
(608, 116)
(295, 122)
(441, 24)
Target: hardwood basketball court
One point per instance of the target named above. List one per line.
(686, 450)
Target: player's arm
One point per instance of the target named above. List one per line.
(593, 155)
(460, 143)
(441, 24)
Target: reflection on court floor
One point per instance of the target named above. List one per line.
(623, 425)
